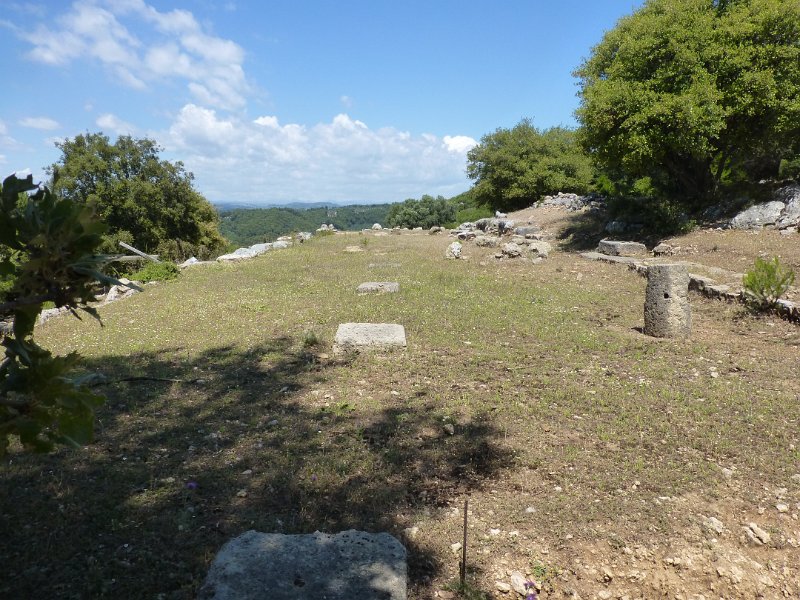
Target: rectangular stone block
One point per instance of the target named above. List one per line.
(346, 566)
(378, 287)
(369, 336)
(614, 248)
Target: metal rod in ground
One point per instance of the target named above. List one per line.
(463, 566)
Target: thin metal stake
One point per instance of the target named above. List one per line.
(462, 571)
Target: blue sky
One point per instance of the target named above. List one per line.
(278, 101)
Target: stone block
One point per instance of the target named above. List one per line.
(369, 336)
(614, 248)
(348, 565)
(378, 287)
(667, 312)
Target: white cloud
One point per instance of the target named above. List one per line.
(342, 160)
(346, 101)
(112, 123)
(175, 46)
(44, 123)
(459, 144)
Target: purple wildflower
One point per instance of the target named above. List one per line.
(192, 485)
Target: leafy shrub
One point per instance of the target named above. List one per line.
(160, 271)
(470, 215)
(766, 282)
(425, 212)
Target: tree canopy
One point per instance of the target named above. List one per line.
(513, 168)
(143, 199)
(426, 212)
(695, 93)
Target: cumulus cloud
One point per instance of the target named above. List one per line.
(112, 123)
(43, 123)
(176, 47)
(342, 160)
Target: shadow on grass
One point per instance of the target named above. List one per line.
(241, 440)
(584, 231)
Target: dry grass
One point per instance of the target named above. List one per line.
(573, 433)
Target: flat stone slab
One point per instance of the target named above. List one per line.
(378, 287)
(615, 248)
(345, 566)
(366, 336)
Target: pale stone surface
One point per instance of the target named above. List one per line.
(361, 336)
(667, 313)
(759, 215)
(614, 248)
(378, 287)
(539, 249)
(377, 226)
(348, 565)
(487, 241)
(453, 250)
(280, 244)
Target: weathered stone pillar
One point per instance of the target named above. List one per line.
(666, 307)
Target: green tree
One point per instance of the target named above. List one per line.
(513, 168)
(143, 199)
(695, 93)
(426, 212)
(47, 254)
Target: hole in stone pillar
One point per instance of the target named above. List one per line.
(298, 581)
(666, 295)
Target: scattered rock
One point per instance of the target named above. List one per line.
(518, 583)
(280, 244)
(502, 587)
(378, 287)
(756, 534)
(369, 336)
(664, 250)
(511, 250)
(347, 565)
(539, 249)
(615, 248)
(714, 524)
(411, 532)
(449, 428)
(353, 249)
(487, 241)
(377, 227)
(435, 229)
(453, 251)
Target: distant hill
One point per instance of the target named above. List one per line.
(248, 226)
(228, 206)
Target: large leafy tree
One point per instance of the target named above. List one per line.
(695, 93)
(513, 168)
(142, 198)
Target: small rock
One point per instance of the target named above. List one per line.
(757, 534)
(453, 251)
(782, 508)
(502, 587)
(604, 595)
(518, 583)
(241, 494)
(714, 524)
(796, 478)
(449, 428)
(411, 532)
(494, 532)
(456, 548)
(511, 250)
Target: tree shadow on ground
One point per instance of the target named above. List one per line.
(584, 231)
(221, 443)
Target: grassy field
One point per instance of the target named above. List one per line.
(587, 450)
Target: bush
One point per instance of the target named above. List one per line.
(160, 271)
(766, 282)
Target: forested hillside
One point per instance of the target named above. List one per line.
(247, 226)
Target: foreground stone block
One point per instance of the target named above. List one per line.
(378, 287)
(667, 312)
(368, 336)
(345, 566)
(614, 248)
